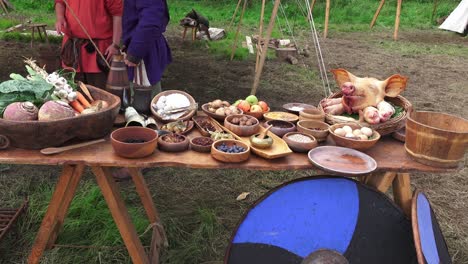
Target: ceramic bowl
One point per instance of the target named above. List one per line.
(167, 146)
(295, 108)
(317, 129)
(300, 146)
(242, 131)
(121, 137)
(221, 118)
(258, 115)
(263, 143)
(196, 146)
(280, 127)
(358, 144)
(312, 114)
(230, 157)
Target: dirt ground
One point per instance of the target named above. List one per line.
(437, 82)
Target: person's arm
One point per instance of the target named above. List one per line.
(61, 22)
(116, 36)
(152, 15)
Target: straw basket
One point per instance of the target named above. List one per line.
(184, 117)
(388, 127)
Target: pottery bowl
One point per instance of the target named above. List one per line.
(230, 157)
(173, 142)
(242, 130)
(312, 114)
(280, 127)
(221, 118)
(201, 144)
(300, 142)
(358, 144)
(121, 138)
(317, 129)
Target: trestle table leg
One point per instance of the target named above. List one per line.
(381, 181)
(402, 192)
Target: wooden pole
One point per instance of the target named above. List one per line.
(235, 13)
(377, 13)
(260, 36)
(434, 9)
(234, 45)
(264, 52)
(327, 14)
(397, 20)
(311, 8)
(4, 6)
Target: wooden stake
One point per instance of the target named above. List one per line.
(265, 51)
(234, 45)
(260, 36)
(4, 6)
(311, 8)
(434, 9)
(397, 20)
(235, 13)
(377, 13)
(327, 14)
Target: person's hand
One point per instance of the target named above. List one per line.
(111, 51)
(130, 64)
(60, 25)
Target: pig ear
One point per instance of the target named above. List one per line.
(394, 85)
(342, 76)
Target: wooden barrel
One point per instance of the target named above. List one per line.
(436, 139)
(117, 80)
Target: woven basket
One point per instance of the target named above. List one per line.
(388, 127)
(184, 117)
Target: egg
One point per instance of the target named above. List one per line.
(348, 129)
(366, 131)
(340, 132)
(349, 135)
(363, 137)
(357, 132)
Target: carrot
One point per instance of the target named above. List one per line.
(82, 100)
(76, 106)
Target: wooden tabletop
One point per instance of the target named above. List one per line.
(388, 152)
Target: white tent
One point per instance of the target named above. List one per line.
(458, 20)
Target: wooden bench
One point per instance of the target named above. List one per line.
(38, 28)
(194, 32)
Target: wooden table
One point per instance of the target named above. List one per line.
(394, 167)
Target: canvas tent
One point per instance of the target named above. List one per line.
(458, 20)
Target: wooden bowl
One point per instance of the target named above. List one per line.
(230, 157)
(242, 131)
(173, 147)
(134, 150)
(317, 129)
(213, 115)
(201, 148)
(295, 108)
(258, 115)
(185, 116)
(280, 127)
(436, 139)
(44, 134)
(353, 143)
(284, 116)
(297, 146)
(312, 114)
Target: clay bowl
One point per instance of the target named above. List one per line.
(213, 115)
(230, 157)
(280, 127)
(258, 115)
(164, 145)
(284, 116)
(317, 129)
(242, 131)
(196, 146)
(134, 150)
(298, 146)
(312, 114)
(295, 108)
(358, 144)
(263, 143)
(186, 116)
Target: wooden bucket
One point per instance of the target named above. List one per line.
(436, 139)
(117, 80)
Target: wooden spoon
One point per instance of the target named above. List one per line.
(49, 151)
(264, 132)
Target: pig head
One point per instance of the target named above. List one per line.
(359, 93)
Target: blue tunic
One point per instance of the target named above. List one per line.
(143, 25)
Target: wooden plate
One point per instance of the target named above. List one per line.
(297, 107)
(285, 116)
(341, 160)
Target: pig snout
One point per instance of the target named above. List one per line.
(348, 88)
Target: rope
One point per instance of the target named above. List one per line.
(86, 32)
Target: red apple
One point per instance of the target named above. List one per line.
(264, 105)
(244, 106)
(256, 108)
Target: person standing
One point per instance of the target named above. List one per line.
(144, 22)
(102, 20)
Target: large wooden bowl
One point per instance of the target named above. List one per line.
(317, 129)
(358, 144)
(242, 131)
(43, 134)
(185, 116)
(258, 115)
(221, 118)
(134, 150)
(230, 157)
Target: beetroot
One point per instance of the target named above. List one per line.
(20, 111)
(53, 110)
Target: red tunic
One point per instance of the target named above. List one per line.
(96, 18)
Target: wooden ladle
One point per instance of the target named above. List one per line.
(50, 151)
(262, 134)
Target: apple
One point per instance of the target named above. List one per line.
(256, 108)
(252, 99)
(237, 102)
(244, 106)
(264, 105)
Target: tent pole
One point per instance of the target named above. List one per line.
(260, 35)
(311, 8)
(235, 13)
(234, 45)
(434, 9)
(377, 13)
(327, 15)
(397, 20)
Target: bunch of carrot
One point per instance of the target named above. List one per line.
(80, 104)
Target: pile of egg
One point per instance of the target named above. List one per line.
(362, 133)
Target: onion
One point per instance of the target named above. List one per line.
(53, 110)
(20, 111)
